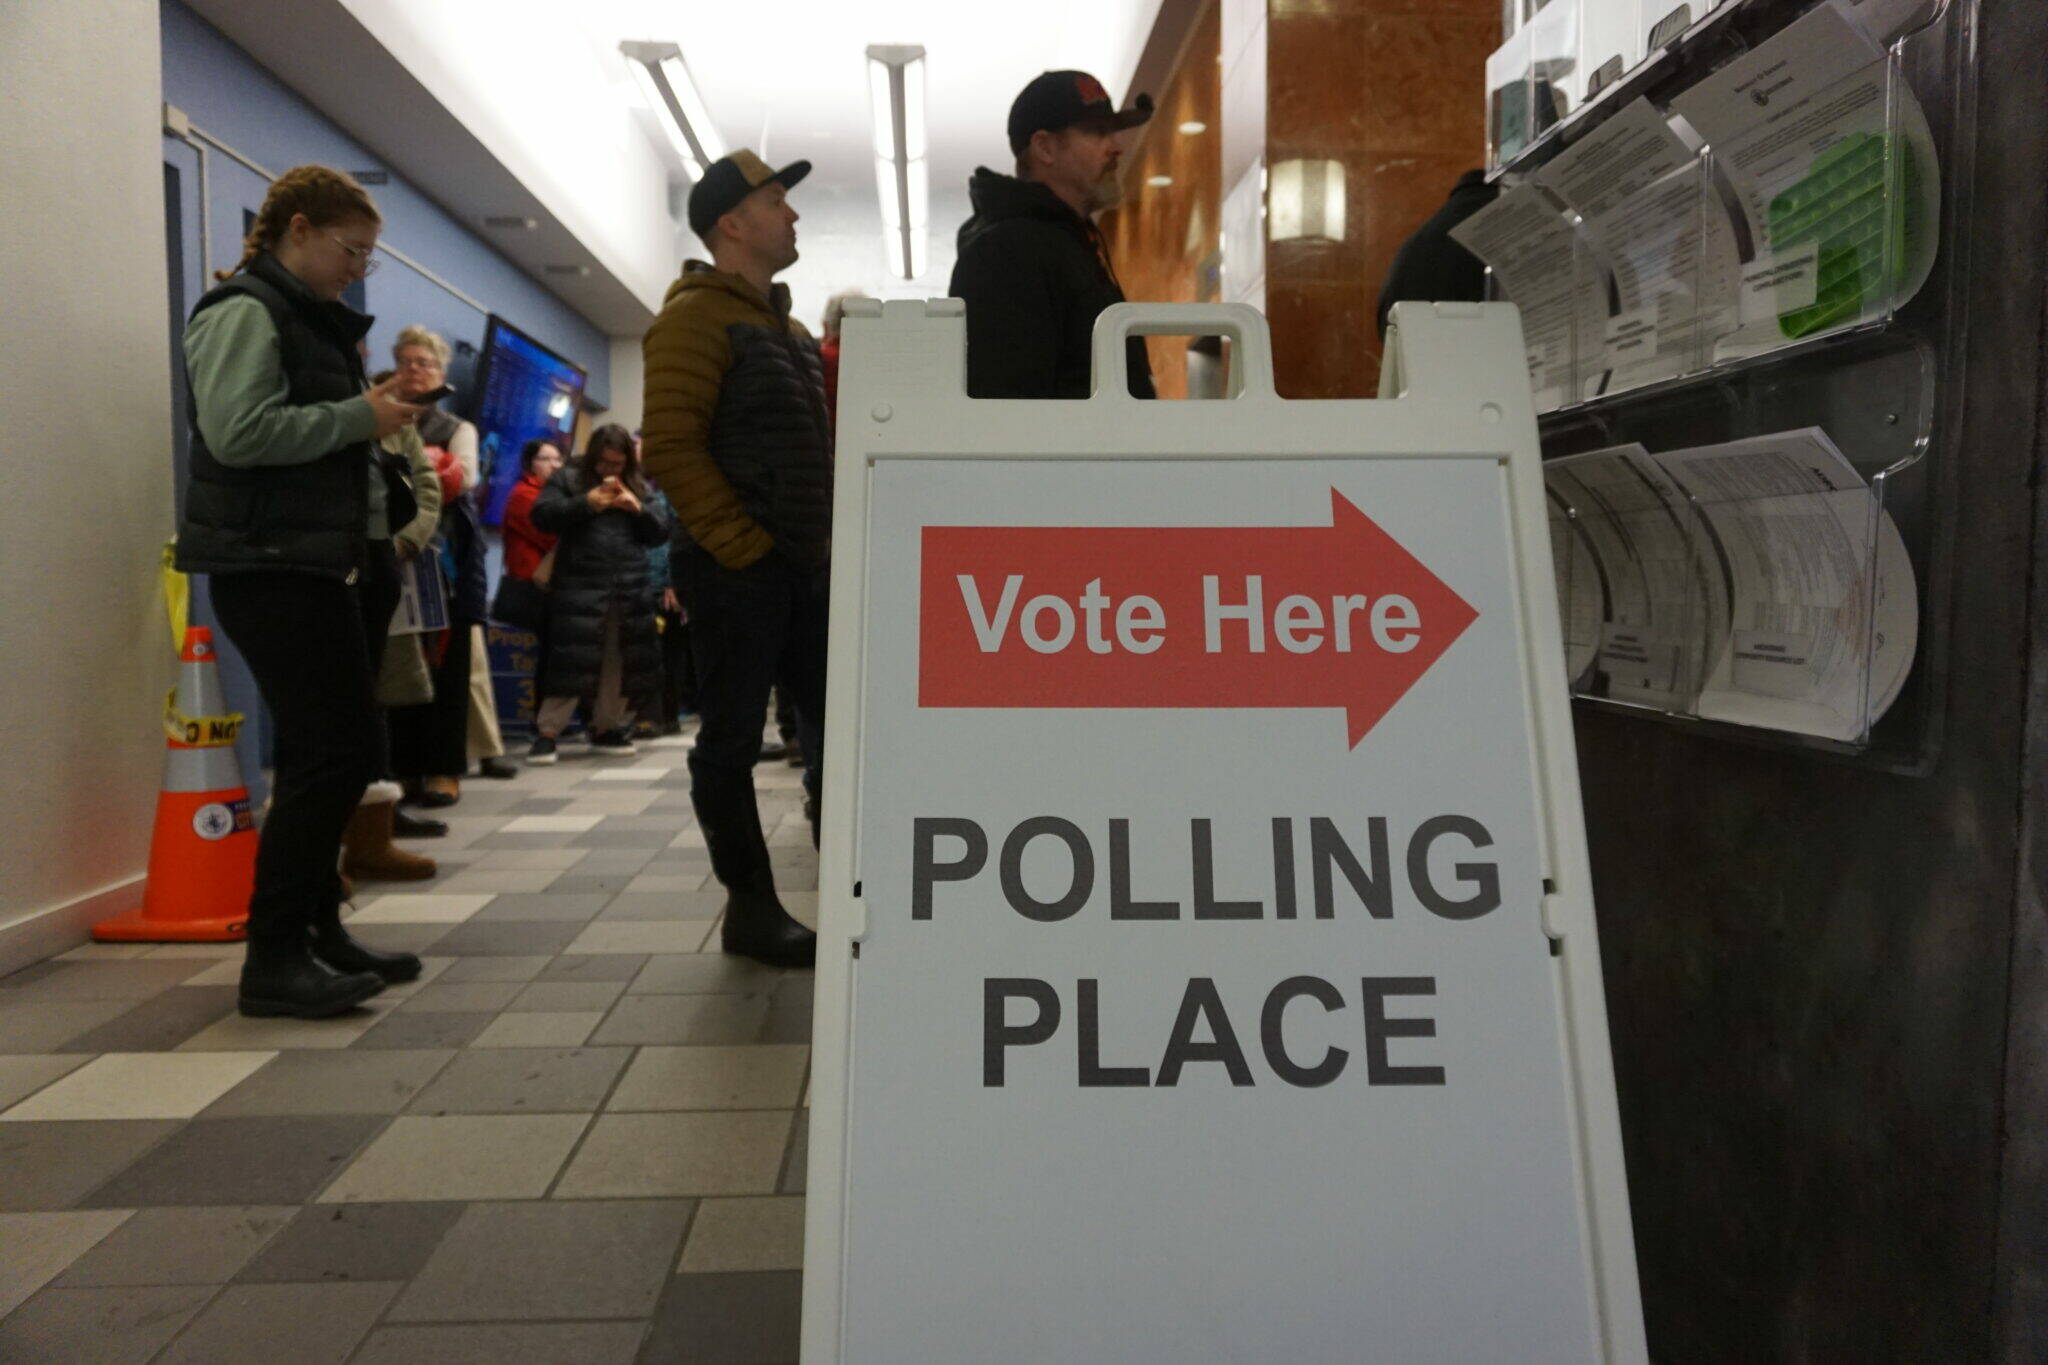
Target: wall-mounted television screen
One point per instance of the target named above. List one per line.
(523, 390)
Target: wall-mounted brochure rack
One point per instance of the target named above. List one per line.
(1741, 241)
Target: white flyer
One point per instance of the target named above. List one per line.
(1533, 248)
(1823, 610)
(1654, 615)
(1666, 243)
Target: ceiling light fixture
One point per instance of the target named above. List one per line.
(665, 84)
(896, 77)
(1159, 181)
(1193, 126)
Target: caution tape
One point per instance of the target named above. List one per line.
(199, 732)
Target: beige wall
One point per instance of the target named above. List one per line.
(85, 386)
(628, 383)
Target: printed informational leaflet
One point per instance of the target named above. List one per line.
(1823, 611)
(1664, 241)
(1532, 247)
(1637, 529)
(1834, 178)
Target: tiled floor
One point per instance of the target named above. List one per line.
(579, 1138)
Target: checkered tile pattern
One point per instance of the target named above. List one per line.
(579, 1137)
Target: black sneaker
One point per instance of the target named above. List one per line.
(614, 742)
(543, 751)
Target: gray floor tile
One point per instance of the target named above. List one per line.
(159, 1023)
(240, 1161)
(566, 996)
(337, 1081)
(609, 862)
(704, 974)
(525, 840)
(654, 1156)
(732, 1319)
(797, 1164)
(523, 1081)
(523, 906)
(663, 905)
(508, 939)
(114, 1326)
(577, 882)
(462, 997)
(22, 1076)
(549, 1260)
(54, 1165)
(603, 837)
(179, 1246)
(496, 969)
(461, 1156)
(678, 1019)
(45, 1026)
(498, 1343)
(760, 1233)
(135, 979)
(36, 1247)
(594, 967)
(789, 1011)
(367, 1242)
(406, 1029)
(750, 1077)
(539, 805)
(306, 1324)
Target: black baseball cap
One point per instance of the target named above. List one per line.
(732, 178)
(1062, 99)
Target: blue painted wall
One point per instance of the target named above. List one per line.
(225, 92)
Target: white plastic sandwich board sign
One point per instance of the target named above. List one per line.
(1207, 965)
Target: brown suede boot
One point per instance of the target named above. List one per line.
(368, 855)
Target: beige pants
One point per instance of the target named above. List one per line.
(484, 739)
(610, 712)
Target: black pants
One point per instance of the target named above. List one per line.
(678, 675)
(432, 738)
(307, 640)
(750, 632)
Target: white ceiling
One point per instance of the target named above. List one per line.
(534, 112)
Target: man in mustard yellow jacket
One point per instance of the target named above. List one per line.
(737, 434)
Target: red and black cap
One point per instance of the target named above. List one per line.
(1067, 99)
(732, 178)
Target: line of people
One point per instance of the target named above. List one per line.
(310, 485)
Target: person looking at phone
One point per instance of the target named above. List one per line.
(602, 645)
(432, 744)
(284, 486)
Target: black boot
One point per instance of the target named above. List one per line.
(406, 825)
(282, 978)
(757, 926)
(333, 945)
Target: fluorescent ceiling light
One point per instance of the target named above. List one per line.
(902, 175)
(666, 86)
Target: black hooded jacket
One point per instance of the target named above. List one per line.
(1034, 274)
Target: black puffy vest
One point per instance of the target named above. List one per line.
(772, 437)
(304, 518)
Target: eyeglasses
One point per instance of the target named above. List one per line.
(362, 255)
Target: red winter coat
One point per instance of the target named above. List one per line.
(525, 544)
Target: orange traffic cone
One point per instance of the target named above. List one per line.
(202, 855)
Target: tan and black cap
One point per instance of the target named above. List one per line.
(732, 178)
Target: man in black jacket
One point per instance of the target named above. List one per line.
(1033, 267)
(1430, 266)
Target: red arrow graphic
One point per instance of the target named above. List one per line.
(1171, 616)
